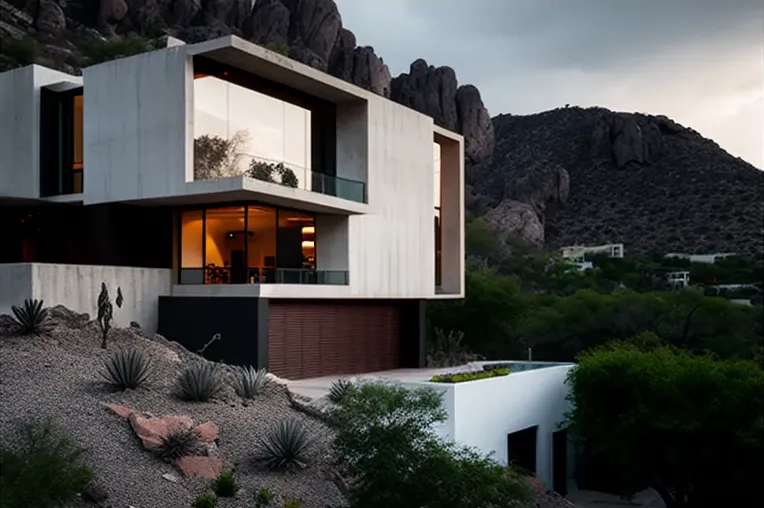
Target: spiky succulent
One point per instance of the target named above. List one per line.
(249, 381)
(285, 446)
(127, 368)
(31, 318)
(200, 382)
(181, 441)
(338, 390)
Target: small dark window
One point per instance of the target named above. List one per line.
(61, 142)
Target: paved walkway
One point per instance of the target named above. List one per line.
(590, 499)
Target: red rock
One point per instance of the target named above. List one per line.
(207, 432)
(122, 411)
(152, 431)
(204, 467)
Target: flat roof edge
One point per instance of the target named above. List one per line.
(440, 131)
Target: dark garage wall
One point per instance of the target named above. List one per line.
(192, 321)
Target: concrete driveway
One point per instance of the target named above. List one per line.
(590, 499)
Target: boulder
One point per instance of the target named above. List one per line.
(152, 431)
(201, 466)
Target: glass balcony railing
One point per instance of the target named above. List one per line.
(225, 275)
(339, 187)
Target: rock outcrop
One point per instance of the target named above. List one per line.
(593, 176)
(310, 31)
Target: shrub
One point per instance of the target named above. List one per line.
(225, 485)
(292, 504)
(446, 350)
(103, 50)
(461, 377)
(216, 157)
(267, 172)
(285, 447)
(278, 47)
(249, 381)
(385, 443)
(31, 318)
(181, 441)
(263, 497)
(127, 369)
(200, 382)
(206, 500)
(24, 51)
(46, 469)
(338, 390)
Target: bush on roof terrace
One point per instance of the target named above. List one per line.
(461, 377)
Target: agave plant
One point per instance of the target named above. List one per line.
(30, 318)
(285, 446)
(181, 441)
(338, 390)
(249, 381)
(200, 382)
(127, 368)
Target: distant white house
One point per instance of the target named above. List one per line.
(678, 279)
(578, 252)
(700, 258)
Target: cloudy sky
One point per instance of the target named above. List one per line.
(700, 62)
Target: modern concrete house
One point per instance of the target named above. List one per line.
(228, 189)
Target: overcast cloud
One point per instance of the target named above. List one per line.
(700, 62)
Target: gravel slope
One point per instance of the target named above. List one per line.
(56, 376)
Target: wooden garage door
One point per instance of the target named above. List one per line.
(313, 339)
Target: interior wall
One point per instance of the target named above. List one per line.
(452, 215)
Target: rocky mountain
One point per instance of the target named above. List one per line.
(591, 176)
(565, 176)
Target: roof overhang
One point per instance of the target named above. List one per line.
(249, 57)
(241, 189)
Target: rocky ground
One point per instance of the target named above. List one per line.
(56, 376)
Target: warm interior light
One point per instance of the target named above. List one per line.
(308, 244)
(309, 230)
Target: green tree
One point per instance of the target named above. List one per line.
(384, 441)
(691, 427)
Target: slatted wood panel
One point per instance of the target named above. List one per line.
(313, 339)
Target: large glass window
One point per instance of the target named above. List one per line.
(250, 244)
(192, 247)
(77, 142)
(235, 127)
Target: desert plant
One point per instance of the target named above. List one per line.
(200, 382)
(286, 446)
(45, 469)
(216, 157)
(30, 318)
(338, 390)
(263, 497)
(106, 311)
(292, 504)
(205, 500)
(181, 441)
(127, 368)
(25, 51)
(447, 350)
(225, 484)
(249, 381)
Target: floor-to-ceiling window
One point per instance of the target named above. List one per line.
(249, 244)
(438, 219)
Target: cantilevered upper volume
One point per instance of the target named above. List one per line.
(237, 173)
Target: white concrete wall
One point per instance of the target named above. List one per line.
(332, 242)
(353, 141)
(138, 126)
(482, 413)
(392, 248)
(20, 128)
(77, 286)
